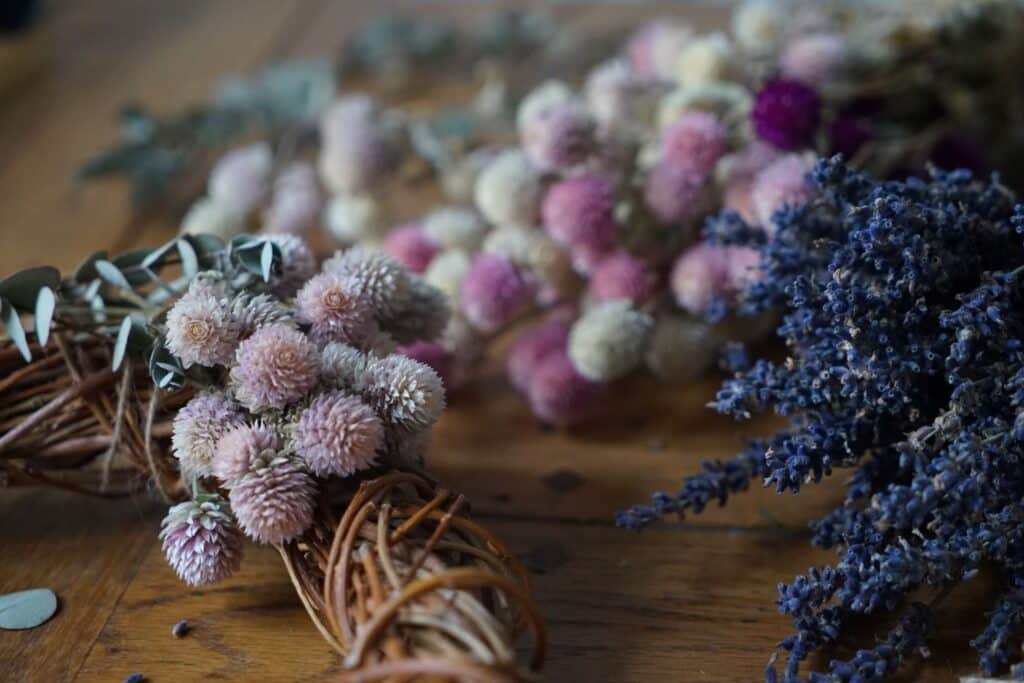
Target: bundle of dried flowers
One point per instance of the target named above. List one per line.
(299, 427)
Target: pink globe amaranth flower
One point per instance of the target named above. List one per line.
(736, 197)
(197, 429)
(558, 393)
(581, 211)
(296, 202)
(201, 330)
(383, 281)
(337, 435)
(409, 245)
(813, 59)
(276, 366)
(699, 276)
(241, 177)
(494, 291)
(336, 309)
(622, 276)
(585, 257)
(274, 501)
(639, 48)
(786, 113)
(253, 311)
(355, 150)
(741, 268)
(425, 315)
(653, 49)
(784, 183)
(674, 194)
(530, 349)
(559, 138)
(432, 354)
(696, 141)
(405, 393)
(749, 161)
(200, 540)
(239, 448)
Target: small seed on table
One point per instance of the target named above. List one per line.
(135, 678)
(181, 629)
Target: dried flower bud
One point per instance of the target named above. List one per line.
(550, 93)
(494, 291)
(621, 275)
(211, 216)
(654, 48)
(197, 428)
(201, 330)
(380, 279)
(296, 202)
(409, 245)
(200, 540)
(813, 59)
(253, 311)
(343, 366)
(405, 393)
(558, 393)
(276, 366)
(434, 355)
(785, 182)
(274, 501)
(447, 271)
(695, 142)
(609, 341)
(453, 227)
(425, 315)
(530, 349)
(676, 195)
(580, 211)
(355, 149)
(239, 448)
(560, 138)
(337, 435)
(758, 24)
(241, 177)
(297, 263)
(354, 219)
(681, 348)
(727, 101)
(699, 277)
(541, 255)
(507, 192)
(336, 308)
(786, 113)
(705, 59)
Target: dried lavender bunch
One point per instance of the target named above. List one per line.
(903, 328)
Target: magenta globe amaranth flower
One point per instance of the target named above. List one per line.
(558, 393)
(695, 142)
(560, 138)
(621, 275)
(530, 349)
(786, 113)
(337, 434)
(239, 448)
(276, 366)
(847, 134)
(494, 291)
(197, 429)
(200, 540)
(581, 211)
(274, 501)
(336, 308)
(410, 246)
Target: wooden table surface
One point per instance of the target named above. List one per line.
(681, 602)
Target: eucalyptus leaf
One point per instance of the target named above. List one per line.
(27, 609)
(92, 290)
(156, 257)
(86, 270)
(164, 368)
(130, 265)
(189, 260)
(121, 343)
(46, 302)
(109, 272)
(12, 323)
(22, 288)
(267, 261)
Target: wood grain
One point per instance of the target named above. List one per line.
(688, 602)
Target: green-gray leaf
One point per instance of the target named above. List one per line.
(27, 609)
(121, 343)
(109, 272)
(189, 260)
(45, 303)
(14, 329)
(22, 288)
(267, 260)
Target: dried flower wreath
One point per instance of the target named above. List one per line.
(296, 425)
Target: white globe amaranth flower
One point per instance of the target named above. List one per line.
(710, 57)
(354, 219)
(446, 272)
(454, 227)
(726, 100)
(609, 341)
(550, 93)
(209, 216)
(508, 190)
(681, 348)
(757, 25)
